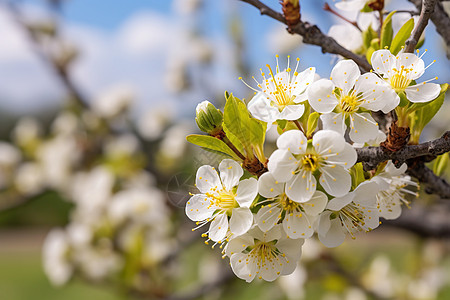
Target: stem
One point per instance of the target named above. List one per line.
(232, 147)
(326, 7)
(380, 13)
(297, 123)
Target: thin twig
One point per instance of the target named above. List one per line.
(372, 156)
(425, 14)
(433, 183)
(313, 35)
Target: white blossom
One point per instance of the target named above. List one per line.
(222, 198)
(351, 5)
(279, 95)
(399, 71)
(298, 161)
(393, 182)
(351, 213)
(265, 255)
(55, 252)
(297, 218)
(356, 92)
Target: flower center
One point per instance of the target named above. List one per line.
(310, 162)
(263, 252)
(281, 92)
(349, 103)
(400, 80)
(287, 204)
(225, 200)
(354, 215)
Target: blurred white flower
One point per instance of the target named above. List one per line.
(153, 122)
(65, 123)
(92, 190)
(57, 157)
(55, 253)
(380, 278)
(347, 36)
(174, 143)
(141, 205)
(9, 158)
(281, 41)
(293, 284)
(125, 144)
(186, 7)
(29, 179)
(27, 130)
(113, 101)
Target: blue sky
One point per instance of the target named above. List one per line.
(100, 25)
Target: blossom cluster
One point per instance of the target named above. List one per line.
(311, 184)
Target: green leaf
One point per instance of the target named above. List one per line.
(282, 124)
(369, 53)
(212, 143)
(402, 35)
(387, 31)
(357, 173)
(441, 164)
(368, 35)
(313, 119)
(366, 8)
(422, 116)
(237, 121)
(403, 100)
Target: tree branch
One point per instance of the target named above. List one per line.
(433, 183)
(425, 14)
(312, 35)
(372, 156)
(440, 19)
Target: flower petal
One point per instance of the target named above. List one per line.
(336, 204)
(292, 248)
(336, 181)
(413, 63)
(344, 75)
(198, 208)
(302, 81)
(246, 192)
(292, 112)
(333, 121)
(327, 142)
(331, 233)
(241, 268)
(267, 217)
(383, 61)
(422, 92)
(230, 173)
(363, 128)
(316, 205)
(346, 158)
(241, 220)
(207, 179)
(268, 186)
(261, 109)
(301, 187)
(297, 225)
(321, 97)
(293, 141)
(239, 244)
(218, 228)
(281, 165)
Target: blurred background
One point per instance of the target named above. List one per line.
(96, 99)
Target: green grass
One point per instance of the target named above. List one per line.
(22, 278)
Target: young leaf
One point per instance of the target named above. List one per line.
(312, 123)
(402, 35)
(212, 143)
(387, 31)
(441, 163)
(357, 173)
(368, 35)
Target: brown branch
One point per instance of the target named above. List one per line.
(425, 14)
(433, 183)
(441, 20)
(372, 156)
(312, 35)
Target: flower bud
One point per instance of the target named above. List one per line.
(208, 118)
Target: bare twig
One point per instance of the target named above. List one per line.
(441, 20)
(433, 183)
(372, 156)
(425, 14)
(312, 35)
